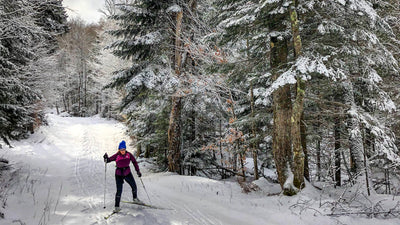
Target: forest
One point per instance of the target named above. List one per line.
(306, 88)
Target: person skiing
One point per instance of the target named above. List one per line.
(123, 172)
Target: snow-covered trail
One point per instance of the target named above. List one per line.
(60, 180)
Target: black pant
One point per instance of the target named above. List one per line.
(120, 180)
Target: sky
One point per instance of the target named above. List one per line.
(88, 10)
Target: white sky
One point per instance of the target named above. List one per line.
(88, 10)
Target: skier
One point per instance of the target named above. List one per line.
(123, 172)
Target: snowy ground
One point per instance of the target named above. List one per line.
(58, 178)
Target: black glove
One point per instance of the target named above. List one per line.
(139, 174)
(105, 157)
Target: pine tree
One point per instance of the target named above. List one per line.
(24, 40)
(18, 34)
(355, 61)
(243, 42)
(146, 37)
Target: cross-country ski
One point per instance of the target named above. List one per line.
(108, 216)
(144, 204)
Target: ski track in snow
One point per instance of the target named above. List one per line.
(59, 179)
(80, 143)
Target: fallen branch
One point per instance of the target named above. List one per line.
(228, 170)
(364, 213)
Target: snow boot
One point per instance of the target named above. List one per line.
(136, 200)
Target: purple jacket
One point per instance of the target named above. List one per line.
(123, 162)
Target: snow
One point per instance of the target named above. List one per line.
(174, 9)
(58, 178)
(363, 6)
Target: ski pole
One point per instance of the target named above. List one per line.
(145, 189)
(105, 182)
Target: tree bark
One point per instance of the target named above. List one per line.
(174, 130)
(297, 112)
(303, 132)
(365, 161)
(318, 150)
(147, 151)
(138, 150)
(298, 154)
(282, 109)
(353, 126)
(84, 84)
(337, 153)
(174, 141)
(253, 128)
(178, 51)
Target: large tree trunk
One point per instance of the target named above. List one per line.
(298, 153)
(174, 138)
(174, 130)
(282, 110)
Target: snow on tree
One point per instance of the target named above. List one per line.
(337, 49)
(24, 40)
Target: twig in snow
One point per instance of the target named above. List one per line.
(46, 209)
(58, 199)
(395, 213)
(303, 205)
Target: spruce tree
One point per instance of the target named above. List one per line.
(146, 37)
(23, 42)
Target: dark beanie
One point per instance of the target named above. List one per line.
(122, 145)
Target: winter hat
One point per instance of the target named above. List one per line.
(122, 145)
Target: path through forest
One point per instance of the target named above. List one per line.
(57, 177)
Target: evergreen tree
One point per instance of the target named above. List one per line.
(23, 42)
(346, 55)
(165, 59)
(244, 42)
(146, 38)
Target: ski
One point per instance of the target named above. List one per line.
(143, 204)
(106, 217)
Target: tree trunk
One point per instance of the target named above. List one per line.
(282, 110)
(174, 130)
(365, 161)
(298, 154)
(253, 128)
(65, 102)
(58, 110)
(241, 155)
(303, 132)
(353, 126)
(297, 112)
(79, 93)
(138, 150)
(337, 152)
(147, 151)
(174, 154)
(178, 51)
(84, 85)
(318, 150)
